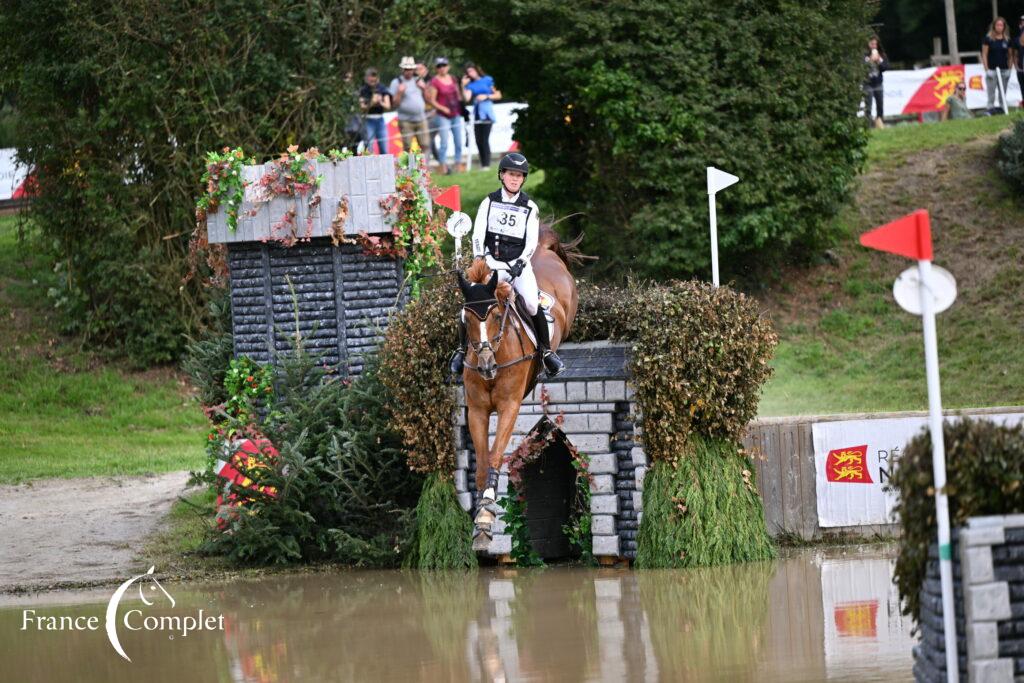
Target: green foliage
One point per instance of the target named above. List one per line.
(702, 509)
(1010, 150)
(700, 356)
(443, 529)
(118, 104)
(984, 472)
(342, 489)
(517, 527)
(579, 529)
(413, 367)
(630, 101)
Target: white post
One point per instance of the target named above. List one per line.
(931, 361)
(470, 138)
(1002, 91)
(713, 209)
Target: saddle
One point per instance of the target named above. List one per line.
(526, 320)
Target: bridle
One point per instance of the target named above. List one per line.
(494, 343)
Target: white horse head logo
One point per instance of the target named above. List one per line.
(115, 599)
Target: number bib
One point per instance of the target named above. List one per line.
(507, 219)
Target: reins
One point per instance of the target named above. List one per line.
(480, 346)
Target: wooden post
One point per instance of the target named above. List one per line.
(954, 47)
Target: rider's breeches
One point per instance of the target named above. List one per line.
(525, 286)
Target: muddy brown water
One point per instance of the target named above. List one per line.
(812, 615)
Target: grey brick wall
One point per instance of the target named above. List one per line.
(988, 573)
(343, 299)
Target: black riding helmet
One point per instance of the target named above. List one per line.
(514, 161)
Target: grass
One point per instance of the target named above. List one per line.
(891, 145)
(845, 344)
(64, 412)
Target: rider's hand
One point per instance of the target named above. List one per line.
(516, 269)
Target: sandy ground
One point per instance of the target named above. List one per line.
(57, 532)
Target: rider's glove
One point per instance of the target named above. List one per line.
(516, 269)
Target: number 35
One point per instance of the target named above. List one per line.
(507, 219)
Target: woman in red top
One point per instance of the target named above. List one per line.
(445, 95)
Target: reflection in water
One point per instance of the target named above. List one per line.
(808, 617)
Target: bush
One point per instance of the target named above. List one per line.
(984, 466)
(207, 358)
(443, 529)
(1010, 152)
(343, 490)
(413, 367)
(700, 356)
(630, 101)
(119, 102)
(702, 509)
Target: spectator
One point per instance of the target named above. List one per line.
(876, 61)
(374, 100)
(1018, 51)
(443, 93)
(478, 89)
(956, 105)
(407, 96)
(423, 73)
(995, 54)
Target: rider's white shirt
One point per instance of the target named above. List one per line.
(480, 230)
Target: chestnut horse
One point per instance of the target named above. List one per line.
(502, 363)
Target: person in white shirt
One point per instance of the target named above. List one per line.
(505, 234)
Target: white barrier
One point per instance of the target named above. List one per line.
(12, 174)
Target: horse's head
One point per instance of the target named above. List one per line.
(484, 318)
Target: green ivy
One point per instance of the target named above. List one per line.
(579, 529)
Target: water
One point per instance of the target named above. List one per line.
(812, 615)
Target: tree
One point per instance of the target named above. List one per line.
(630, 101)
(118, 104)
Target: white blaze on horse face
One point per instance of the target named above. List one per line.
(483, 332)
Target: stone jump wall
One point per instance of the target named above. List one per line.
(988, 573)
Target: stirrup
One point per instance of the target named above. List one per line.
(456, 363)
(552, 363)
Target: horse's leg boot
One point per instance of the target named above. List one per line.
(487, 512)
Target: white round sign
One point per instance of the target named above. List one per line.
(459, 224)
(906, 289)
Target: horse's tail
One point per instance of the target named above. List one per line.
(569, 251)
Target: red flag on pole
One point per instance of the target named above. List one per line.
(910, 236)
(450, 198)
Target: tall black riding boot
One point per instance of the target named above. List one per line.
(455, 363)
(552, 363)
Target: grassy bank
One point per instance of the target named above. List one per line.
(845, 344)
(65, 412)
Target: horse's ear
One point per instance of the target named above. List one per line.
(492, 284)
(463, 284)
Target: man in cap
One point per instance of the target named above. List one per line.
(407, 97)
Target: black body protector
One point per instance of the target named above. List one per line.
(506, 226)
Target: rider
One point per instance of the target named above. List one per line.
(505, 234)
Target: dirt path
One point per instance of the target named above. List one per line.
(58, 532)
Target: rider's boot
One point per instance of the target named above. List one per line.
(552, 363)
(455, 363)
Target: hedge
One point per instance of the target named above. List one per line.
(984, 476)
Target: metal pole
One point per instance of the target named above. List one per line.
(931, 361)
(954, 47)
(714, 238)
(1002, 91)
(995, 10)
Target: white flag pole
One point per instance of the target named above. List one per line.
(717, 180)
(931, 361)
(713, 211)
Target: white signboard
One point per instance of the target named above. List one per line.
(906, 92)
(12, 174)
(854, 459)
